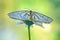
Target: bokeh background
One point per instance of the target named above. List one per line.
(9, 30)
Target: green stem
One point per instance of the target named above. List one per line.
(29, 32)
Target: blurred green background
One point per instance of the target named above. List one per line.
(10, 31)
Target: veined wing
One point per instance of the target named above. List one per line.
(37, 21)
(41, 18)
(19, 15)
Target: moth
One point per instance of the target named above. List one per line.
(30, 16)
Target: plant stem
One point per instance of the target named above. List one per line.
(29, 32)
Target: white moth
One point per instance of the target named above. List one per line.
(38, 18)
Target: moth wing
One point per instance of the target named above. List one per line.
(19, 15)
(37, 21)
(42, 18)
